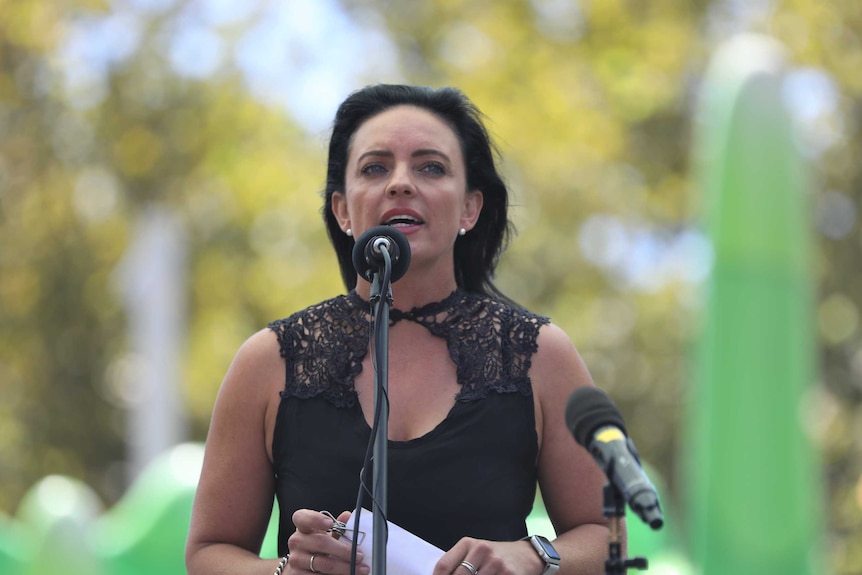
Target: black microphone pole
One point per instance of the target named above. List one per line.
(382, 256)
(381, 299)
(614, 508)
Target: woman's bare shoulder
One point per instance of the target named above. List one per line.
(256, 368)
(555, 349)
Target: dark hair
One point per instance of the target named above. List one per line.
(476, 253)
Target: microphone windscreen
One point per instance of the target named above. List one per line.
(365, 261)
(588, 409)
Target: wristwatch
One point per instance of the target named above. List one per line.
(546, 552)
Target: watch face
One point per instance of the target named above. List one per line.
(549, 549)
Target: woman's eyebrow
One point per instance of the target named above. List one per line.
(415, 154)
(375, 153)
(430, 152)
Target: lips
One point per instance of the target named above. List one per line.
(401, 219)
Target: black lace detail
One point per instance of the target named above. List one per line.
(323, 347)
(490, 342)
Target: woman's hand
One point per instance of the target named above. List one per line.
(470, 556)
(314, 548)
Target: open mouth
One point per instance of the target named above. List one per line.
(402, 221)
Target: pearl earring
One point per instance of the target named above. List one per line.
(462, 231)
(349, 232)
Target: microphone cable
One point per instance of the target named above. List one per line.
(375, 337)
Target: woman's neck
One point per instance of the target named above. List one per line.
(410, 292)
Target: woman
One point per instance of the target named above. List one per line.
(477, 385)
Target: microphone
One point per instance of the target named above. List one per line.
(368, 252)
(597, 425)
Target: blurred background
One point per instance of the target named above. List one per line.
(160, 170)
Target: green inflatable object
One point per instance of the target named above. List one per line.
(12, 546)
(753, 491)
(55, 516)
(146, 531)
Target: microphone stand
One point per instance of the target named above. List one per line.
(381, 285)
(614, 508)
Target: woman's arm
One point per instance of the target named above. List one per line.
(570, 480)
(234, 498)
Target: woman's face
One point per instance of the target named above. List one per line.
(405, 168)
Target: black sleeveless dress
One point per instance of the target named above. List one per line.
(473, 475)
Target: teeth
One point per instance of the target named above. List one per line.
(401, 220)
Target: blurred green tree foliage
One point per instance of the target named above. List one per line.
(826, 38)
(75, 172)
(590, 102)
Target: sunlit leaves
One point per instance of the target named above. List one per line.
(29, 24)
(589, 101)
(137, 152)
(74, 179)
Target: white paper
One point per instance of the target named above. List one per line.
(406, 554)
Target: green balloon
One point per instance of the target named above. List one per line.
(13, 546)
(146, 531)
(753, 495)
(56, 516)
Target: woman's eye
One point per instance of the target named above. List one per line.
(435, 168)
(372, 169)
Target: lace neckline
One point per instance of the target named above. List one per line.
(490, 342)
(431, 309)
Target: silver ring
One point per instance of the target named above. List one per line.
(311, 564)
(469, 567)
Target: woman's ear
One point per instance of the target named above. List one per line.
(338, 203)
(472, 208)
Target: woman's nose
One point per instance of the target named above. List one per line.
(399, 190)
(400, 184)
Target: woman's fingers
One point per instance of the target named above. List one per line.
(310, 521)
(304, 562)
(315, 547)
